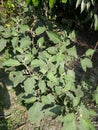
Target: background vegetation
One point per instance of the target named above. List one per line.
(38, 54)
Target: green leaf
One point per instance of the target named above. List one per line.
(51, 77)
(29, 85)
(83, 6)
(61, 68)
(70, 95)
(79, 93)
(85, 124)
(95, 96)
(40, 30)
(27, 58)
(15, 41)
(3, 43)
(52, 50)
(58, 90)
(11, 62)
(89, 52)
(45, 100)
(52, 3)
(30, 100)
(51, 98)
(53, 111)
(44, 55)
(34, 51)
(38, 63)
(56, 109)
(17, 77)
(55, 38)
(35, 113)
(93, 2)
(25, 42)
(72, 35)
(86, 63)
(70, 76)
(7, 33)
(69, 122)
(92, 112)
(42, 86)
(78, 3)
(88, 4)
(65, 43)
(64, 1)
(95, 22)
(2, 28)
(23, 28)
(35, 2)
(28, 1)
(59, 58)
(67, 87)
(14, 32)
(40, 41)
(84, 112)
(72, 52)
(76, 101)
(19, 49)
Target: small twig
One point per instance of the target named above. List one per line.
(21, 126)
(6, 116)
(95, 48)
(27, 68)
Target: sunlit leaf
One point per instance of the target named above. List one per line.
(69, 122)
(35, 2)
(40, 41)
(86, 63)
(38, 63)
(3, 43)
(95, 22)
(16, 77)
(40, 30)
(29, 85)
(30, 100)
(58, 90)
(84, 113)
(85, 124)
(52, 77)
(45, 100)
(83, 6)
(52, 3)
(25, 42)
(15, 41)
(55, 38)
(23, 28)
(90, 52)
(72, 52)
(35, 113)
(52, 50)
(78, 3)
(76, 101)
(28, 1)
(42, 86)
(12, 62)
(93, 2)
(64, 1)
(88, 5)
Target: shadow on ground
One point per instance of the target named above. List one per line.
(4, 102)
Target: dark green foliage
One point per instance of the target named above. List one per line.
(44, 65)
(83, 13)
(47, 77)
